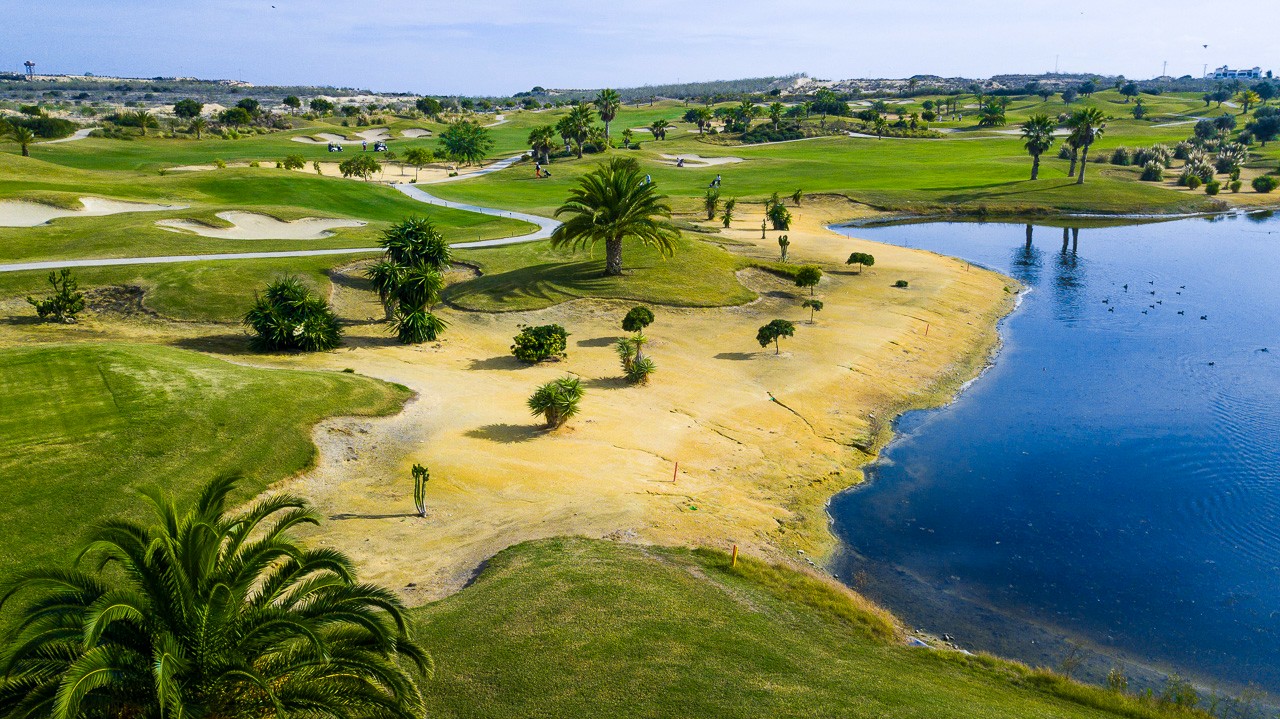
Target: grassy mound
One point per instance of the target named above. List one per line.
(82, 427)
(572, 627)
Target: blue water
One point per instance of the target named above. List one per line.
(1114, 478)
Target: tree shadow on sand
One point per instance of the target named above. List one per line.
(599, 342)
(341, 517)
(499, 362)
(737, 356)
(506, 433)
(607, 383)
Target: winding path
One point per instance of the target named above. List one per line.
(77, 135)
(545, 225)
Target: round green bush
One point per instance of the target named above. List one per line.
(901, 283)
(1212, 187)
(1265, 184)
(535, 344)
(1193, 181)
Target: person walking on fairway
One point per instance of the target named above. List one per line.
(364, 145)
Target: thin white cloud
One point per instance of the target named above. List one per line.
(503, 46)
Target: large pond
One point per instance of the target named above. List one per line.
(1110, 487)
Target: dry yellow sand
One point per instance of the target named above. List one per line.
(752, 471)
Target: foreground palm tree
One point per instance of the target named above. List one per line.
(198, 125)
(659, 129)
(1037, 134)
(610, 204)
(208, 614)
(23, 136)
(1087, 125)
(607, 103)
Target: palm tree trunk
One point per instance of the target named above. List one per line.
(26, 150)
(613, 257)
(1075, 155)
(1084, 161)
(606, 128)
(1035, 167)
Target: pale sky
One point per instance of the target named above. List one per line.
(501, 47)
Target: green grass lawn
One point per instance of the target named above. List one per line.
(82, 427)
(533, 275)
(580, 628)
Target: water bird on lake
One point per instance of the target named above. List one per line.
(1126, 287)
(1153, 292)
(1182, 312)
(1111, 309)
(1106, 301)
(1144, 312)
(1204, 317)
(1211, 364)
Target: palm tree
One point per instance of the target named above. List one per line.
(1087, 124)
(607, 102)
(541, 140)
(880, 125)
(1037, 133)
(659, 129)
(206, 613)
(991, 115)
(199, 124)
(703, 115)
(610, 204)
(775, 114)
(23, 136)
(579, 124)
(626, 138)
(1247, 99)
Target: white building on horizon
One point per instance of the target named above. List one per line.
(1226, 73)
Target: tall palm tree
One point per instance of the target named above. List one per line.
(610, 204)
(1037, 135)
(775, 114)
(23, 136)
(580, 118)
(1247, 99)
(1087, 124)
(199, 124)
(607, 103)
(703, 115)
(204, 614)
(659, 129)
(541, 140)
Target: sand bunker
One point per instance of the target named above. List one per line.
(697, 161)
(415, 132)
(327, 138)
(253, 226)
(17, 213)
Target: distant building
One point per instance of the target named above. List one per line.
(1226, 73)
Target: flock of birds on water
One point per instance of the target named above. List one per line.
(1152, 292)
(1107, 301)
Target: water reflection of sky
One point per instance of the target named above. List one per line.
(1115, 474)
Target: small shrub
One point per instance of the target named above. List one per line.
(637, 319)
(779, 217)
(66, 302)
(1122, 156)
(901, 283)
(1192, 181)
(557, 401)
(254, 163)
(1212, 187)
(1235, 185)
(289, 317)
(293, 162)
(1265, 184)
(1153, 172)
(535, 344)
(220, 164)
